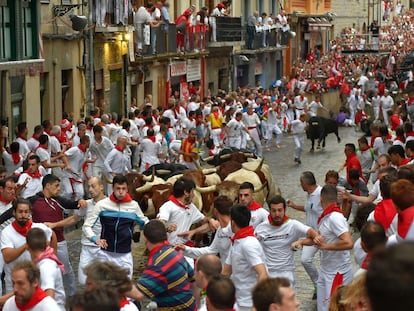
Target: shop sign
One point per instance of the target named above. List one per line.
(178, 69)
(193, 70)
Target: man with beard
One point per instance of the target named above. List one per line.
(27, 292)
(13, 238)
(277, 236)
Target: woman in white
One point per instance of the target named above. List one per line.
(151, 150)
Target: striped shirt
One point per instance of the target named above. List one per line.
(166, 280)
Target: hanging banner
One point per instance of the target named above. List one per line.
(193, 70)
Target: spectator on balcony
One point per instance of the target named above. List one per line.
(155, 24)
(100, 12)
(251, 29)
(267, 24)
(120, 10)
(142, 16)
(219, 10)
(182, 22)
(201, 29)
(165, 17)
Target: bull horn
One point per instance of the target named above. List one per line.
(206, 189)
(259, 168)
(198, 166)
(225, 156)
(211, 170)
(149, 178)
(144, 188)
(108, 180)
(278, 192)
(261, 187)
(208, 158)
(248, 154)
(163, 172)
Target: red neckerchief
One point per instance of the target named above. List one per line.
(284, 220)
(400, 138)
(37, 297)
(49, 253)
(82, 148)
(22, 230)
(365, 262)
(404, 161)
(405, 220)
(242, 233)
(216, 114)
(4, 201)
(20, 136)
(330, 209)
(117, 147)
(47, 132)
(409, 134)
(126, 199)
(34, 136)
(176, 202)
(254, 206)
(156, 248)
(16, 157)
(151, 138)
(33, 175)
(89, 128)
(124, 301)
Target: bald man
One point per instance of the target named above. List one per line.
(118, 160)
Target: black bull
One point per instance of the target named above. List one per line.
(318, 128)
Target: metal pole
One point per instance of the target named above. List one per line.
(90, 68)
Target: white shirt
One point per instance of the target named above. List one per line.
(47, 304)
(32, 144)
(313, 108)
(258, 216)
(235, 128)
(23, 148)
(76, 159)
(9, 163)
(245, 254)
(117, 162)
(51, 278)
(331, 227)
(250, 120)
(150, 151)
(10, 238)
(192, 106)
(313, 207)
(33, 186)
(301, 103)
(3, 208)
(100, 150)
(44, 155)
(298, 127)
(276, 241)
(220, 245)
(387, 102)
(183, 218)
(96, 228)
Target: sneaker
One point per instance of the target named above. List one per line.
(299, 161)
(296, 160)
(277, 146)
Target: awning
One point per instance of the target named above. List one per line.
(318, 24)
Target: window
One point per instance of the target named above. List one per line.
(18, 29)
(5, 47)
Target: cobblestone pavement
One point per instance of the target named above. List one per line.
(286, 174)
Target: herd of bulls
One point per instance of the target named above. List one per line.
(153, 188)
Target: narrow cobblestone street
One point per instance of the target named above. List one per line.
(286, 174)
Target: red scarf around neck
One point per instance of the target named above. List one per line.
(216, 114)
(36, 137)
(42, 146)
(22, 230)
(16, 157)
(284, 220)
(126, 199)
(33, 175)
(330, 209)
(119, 148)
(365, 262)
(151, 138)
(242, 233)
(5, 201)
(20, 136)
(254, 206)
(82, 148)
(49, 253)
(124, 301)
(177, 202)
(37, 297)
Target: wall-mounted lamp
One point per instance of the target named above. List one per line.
(294, 17)
(78, 22)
